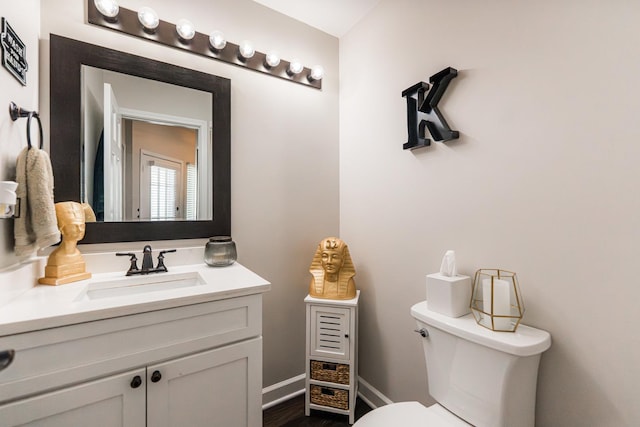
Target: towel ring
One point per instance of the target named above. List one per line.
(37, 117)
(16, 112)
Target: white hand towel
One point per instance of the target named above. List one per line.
(37, 226)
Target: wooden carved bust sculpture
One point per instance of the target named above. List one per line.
(332, 270)
(65, 263)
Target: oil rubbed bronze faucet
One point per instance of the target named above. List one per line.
(147, 261)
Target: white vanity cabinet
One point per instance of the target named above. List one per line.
(221, 387)
(111, 401)
(192, 365)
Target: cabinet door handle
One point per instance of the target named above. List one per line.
(156, 376)
(346, 336)
(136, 381)
(6, 357)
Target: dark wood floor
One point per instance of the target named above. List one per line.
(291, 414)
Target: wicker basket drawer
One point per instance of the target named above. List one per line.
(330, 372)
(328, 396)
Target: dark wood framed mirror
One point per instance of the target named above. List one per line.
(67, 56)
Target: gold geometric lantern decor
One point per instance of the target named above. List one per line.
(496, 300)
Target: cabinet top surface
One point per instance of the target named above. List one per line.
(112, 295)
(341, 302)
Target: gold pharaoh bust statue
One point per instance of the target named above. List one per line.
(65, 263)
(332, 271)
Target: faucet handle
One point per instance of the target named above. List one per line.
(161, 266)
(129, 254)
(134, 261)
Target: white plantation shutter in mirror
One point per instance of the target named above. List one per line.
(192, 191)
(162, 192)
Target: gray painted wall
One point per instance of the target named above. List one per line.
(13, 139)
(284, 146)
(543, 181)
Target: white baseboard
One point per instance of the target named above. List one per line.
(292, 387)
(371, 395)
(282, 391)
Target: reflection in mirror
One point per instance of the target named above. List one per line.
(151, 190)
(146, 148)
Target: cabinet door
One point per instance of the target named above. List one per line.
(330, 332)
(216, 388)
(109, 402)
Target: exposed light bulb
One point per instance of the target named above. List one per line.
(272, 59)
(107, 8)
(295, 67)
(185, 29)
(317, 73)
(148, 18)
(217, 40)
(246, 49)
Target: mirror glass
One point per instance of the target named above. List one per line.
(146, 148)
(145, 143)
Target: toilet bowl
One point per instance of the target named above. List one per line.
(410, 414)
(478, 377)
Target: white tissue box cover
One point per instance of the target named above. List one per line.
(450, 296)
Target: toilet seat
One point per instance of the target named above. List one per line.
(410, 414)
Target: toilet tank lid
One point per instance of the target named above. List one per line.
(525, 341)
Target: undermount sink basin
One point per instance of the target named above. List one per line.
(127, 286)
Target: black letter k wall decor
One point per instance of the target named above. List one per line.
(423, 112)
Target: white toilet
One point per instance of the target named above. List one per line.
(478, 377)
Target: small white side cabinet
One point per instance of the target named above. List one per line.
(332, 355)
(196, 365)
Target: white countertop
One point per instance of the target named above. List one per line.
(43, 307)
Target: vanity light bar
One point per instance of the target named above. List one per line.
(126, 21)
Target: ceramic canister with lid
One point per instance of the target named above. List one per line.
(220, 251)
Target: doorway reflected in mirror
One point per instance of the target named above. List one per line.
(125, 116)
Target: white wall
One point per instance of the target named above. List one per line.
(543, 181)
(13, 139)
(284, 147)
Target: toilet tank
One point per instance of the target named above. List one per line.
(486, 378)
